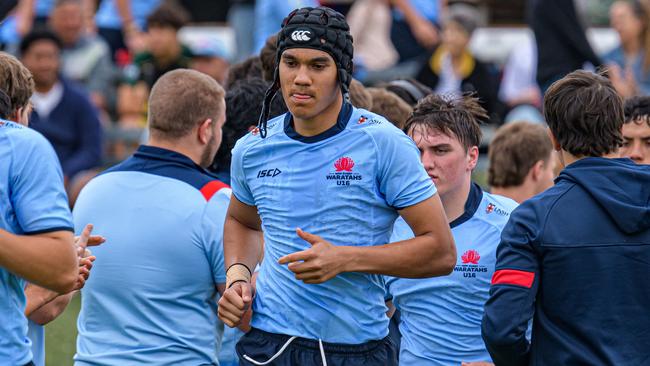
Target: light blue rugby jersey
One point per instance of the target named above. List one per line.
(441, 316)
(345, 185)
(150, 299)
(32, 201)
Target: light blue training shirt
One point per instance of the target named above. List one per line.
(150, 299)
(345, 185)
(441, 316)
(32, 201)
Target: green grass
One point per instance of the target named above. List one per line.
(61, 336)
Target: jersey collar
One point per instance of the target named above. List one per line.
(341, 123)
(158, 153)
(471, 205)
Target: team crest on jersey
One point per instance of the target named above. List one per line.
(491, 207)
(470, 264)
(343, 172)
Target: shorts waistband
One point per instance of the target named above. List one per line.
(312, 344)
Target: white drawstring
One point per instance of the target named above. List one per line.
(277, 354)
(322, 352)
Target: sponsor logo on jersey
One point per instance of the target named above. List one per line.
(369, 121)
(301, 35)
(269, 173)
(470, 264)
(343, 172)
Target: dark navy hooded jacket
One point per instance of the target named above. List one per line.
(576, 260)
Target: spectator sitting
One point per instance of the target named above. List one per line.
(62, 112)
(120, 22)
(209, 57)
(522, 161)
(359, 96)
(414, 30)
(452, 69)
(165, 53)
(636, 130)
(85, 58)
(629, 62)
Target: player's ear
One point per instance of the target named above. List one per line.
(537, 170)
(472, 157)
(205, 131)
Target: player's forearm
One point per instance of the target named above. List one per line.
(48, 260)
(37, 297)
(241, 244)
(410, 14)
(51, 310)
(423, 256)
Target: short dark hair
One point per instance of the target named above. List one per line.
(458, 116)
(637, 110)
(585, 114)
(180, 100)
(168, 14)
(514, 150)
(5, 105)
(36, 35)
(268, 56)
(247, 69)
(243, 106)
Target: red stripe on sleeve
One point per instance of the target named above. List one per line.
(513, 277)
(211, 188)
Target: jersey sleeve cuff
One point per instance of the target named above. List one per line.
(49, 230)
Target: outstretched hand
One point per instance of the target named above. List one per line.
(320, 263)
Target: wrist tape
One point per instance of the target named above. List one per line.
(237, 272)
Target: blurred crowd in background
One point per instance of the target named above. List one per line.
(94, 61)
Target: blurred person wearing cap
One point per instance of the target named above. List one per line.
(209, 56)
(452, 69)
(326, 196)
(636, 130)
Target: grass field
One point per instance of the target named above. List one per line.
(61, 335)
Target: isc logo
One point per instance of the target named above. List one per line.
(268, 173)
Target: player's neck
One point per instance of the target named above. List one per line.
(321, 122)
(454, 201)
(181, 146)
(518, 193)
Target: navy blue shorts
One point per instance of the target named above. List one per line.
(262, 346)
